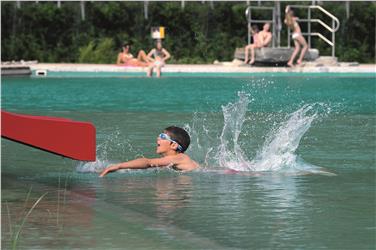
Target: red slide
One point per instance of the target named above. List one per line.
(61, 136)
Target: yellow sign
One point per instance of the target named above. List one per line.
(158, 32)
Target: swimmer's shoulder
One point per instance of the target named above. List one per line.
(186, 163)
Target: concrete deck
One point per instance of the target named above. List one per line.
(225, 67)
(207, 68)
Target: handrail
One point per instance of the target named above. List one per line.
(328, 14)
(321, 9)
(318, 21)
(321, 36)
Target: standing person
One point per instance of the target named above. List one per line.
(125, 57)
(157, 56)
(260, 39)
(291, 22)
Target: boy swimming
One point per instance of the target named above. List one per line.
(171, 145)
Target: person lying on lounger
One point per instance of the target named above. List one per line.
(125, 58)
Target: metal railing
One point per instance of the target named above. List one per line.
(334, 27)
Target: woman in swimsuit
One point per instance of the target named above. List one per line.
(160, 55)
(291, 22)
(125, 58)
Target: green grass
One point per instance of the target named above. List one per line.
(16, 234)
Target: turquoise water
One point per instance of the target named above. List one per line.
(303, 147)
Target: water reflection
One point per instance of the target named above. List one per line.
(56, 220)
(171, 195)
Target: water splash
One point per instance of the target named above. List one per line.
(112, 144)
(217, 144)
(234, 117)
(277, 153)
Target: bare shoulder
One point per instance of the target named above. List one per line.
(185, 163)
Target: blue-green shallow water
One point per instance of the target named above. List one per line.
(292, 206)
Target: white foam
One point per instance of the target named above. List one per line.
(92, 167)
(277, 154)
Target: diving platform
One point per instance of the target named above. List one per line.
(275, 56)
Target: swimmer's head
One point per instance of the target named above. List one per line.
(180, 136)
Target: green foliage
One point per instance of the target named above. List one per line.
(200, 33)
(102, 52)
(86, 53)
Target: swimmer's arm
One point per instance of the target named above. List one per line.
(139, 163)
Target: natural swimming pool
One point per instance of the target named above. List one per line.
(305, 143)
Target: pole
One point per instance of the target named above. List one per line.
(249, 26)
(274, 28)
(309, 27)
(82, 3)
(279, 22)
(333, 40)
(146, 5)
(347, 9)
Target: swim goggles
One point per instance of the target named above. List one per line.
(164, 136)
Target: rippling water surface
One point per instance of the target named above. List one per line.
(286, 162)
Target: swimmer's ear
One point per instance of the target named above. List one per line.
(174, 146)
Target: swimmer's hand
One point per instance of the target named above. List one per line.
(109, 169)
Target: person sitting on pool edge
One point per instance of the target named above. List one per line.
(260, 39)
(171, 145)
(160, 55)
